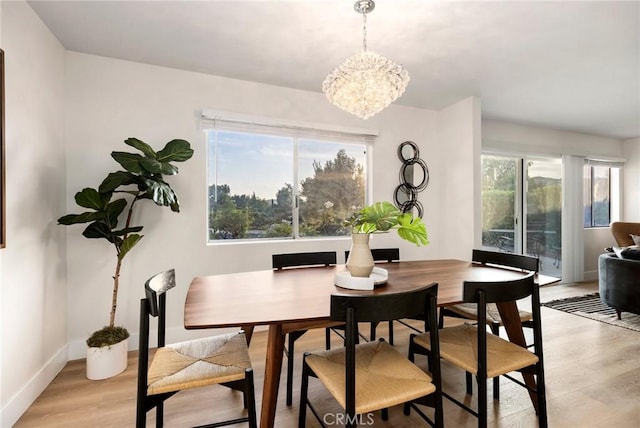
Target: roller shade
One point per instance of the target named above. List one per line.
(270, 126)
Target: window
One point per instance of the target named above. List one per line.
(272, 182)
(601, 193)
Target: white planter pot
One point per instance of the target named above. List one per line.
(108, 361)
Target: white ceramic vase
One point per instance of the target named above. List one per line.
(107, 361)
(360, 261)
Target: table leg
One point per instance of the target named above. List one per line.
(513, 326)
(272, 368)
(248, 332)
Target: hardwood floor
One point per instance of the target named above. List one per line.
(592, 375)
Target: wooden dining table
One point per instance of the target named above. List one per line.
(294, 299)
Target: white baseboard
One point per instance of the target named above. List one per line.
(20, 402)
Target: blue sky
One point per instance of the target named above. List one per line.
(262, 164)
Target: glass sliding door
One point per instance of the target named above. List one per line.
(543, 229)
(516, 188)
(500, 203)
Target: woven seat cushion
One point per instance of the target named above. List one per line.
(470, 311)
(459, 346)
(198, 363)
(384, 377)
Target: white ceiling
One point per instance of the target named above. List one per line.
(571, 65)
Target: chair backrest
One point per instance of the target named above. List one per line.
(518, 261)
(156, 287)
(381, 254)
(154, 304)
(353, 308)
(502, 291)
(383, 307)
(622, 232)
(319, 258)
(482, 293)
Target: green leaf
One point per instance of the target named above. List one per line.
(161, 193)
(129, 161)
(155, 167)
(98, 230)
(78, 218)
(176, 151)
(115, 180)
(90, 198)
(380, 216)
(128, 244)
(142, 146)
(127, 230)
(412, 229)
(151, 165)
(168, 169)
(114, 209)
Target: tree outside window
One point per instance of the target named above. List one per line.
(251, 190)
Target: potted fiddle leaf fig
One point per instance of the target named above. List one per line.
(376, 218)
(110, 212)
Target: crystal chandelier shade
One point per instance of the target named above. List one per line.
(366, 82)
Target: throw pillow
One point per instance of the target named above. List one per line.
(632, 253)
(618, 251)
(636, 238)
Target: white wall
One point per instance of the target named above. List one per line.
(631, 180)
(595, 241)
(32, 277)
(520, 139)
(512, 137)
(109, 100)
(455, 179)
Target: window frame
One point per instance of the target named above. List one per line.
(614, 184)
(230, 122)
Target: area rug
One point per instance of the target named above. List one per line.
(590, 306)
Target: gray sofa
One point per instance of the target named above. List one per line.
(619, 283)
(619, 275)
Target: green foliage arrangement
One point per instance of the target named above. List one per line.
(384, 216)
(143, 178)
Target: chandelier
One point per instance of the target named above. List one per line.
(366, 82)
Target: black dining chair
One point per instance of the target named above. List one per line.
(297, 260)
(494, 321)
(381, 255)
(485, 355)
(374, 376)
(222, 359)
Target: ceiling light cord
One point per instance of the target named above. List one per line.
(364, 31)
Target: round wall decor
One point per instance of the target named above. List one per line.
(414, 170)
